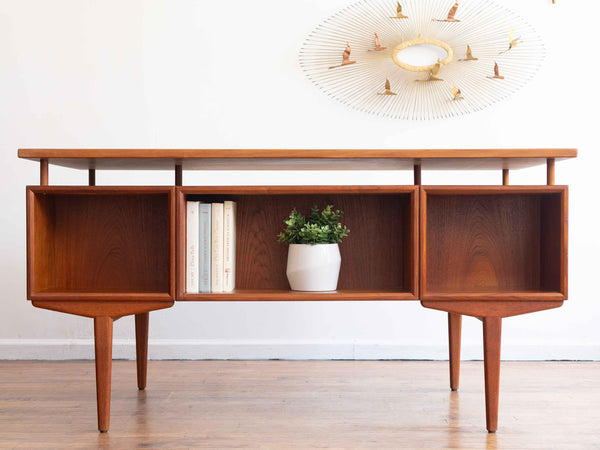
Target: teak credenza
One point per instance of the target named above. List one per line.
(484, 251)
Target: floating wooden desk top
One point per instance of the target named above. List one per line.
(296, 159)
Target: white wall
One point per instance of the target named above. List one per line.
(200, 74)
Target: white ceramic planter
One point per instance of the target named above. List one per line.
(313, 267)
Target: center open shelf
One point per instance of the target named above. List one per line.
(379, 257)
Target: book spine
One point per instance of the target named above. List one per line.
(204, 254)
(191, 259)
(216, 272)
(229, 219)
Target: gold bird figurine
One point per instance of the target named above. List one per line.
(497, 75)
(469, 55)
(451, 14)
(456, 94)
(512, 41)
(388, 89)
(399, 14)
(345, 58)
(378, 46)
(433, 73)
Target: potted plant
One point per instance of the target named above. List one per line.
(314, 255)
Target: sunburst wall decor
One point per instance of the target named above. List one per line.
(358, 56)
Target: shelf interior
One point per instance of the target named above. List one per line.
(375, 256)
(493, 243)
(100, 243)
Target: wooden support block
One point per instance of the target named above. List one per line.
(178, 175)
(417, 174)
(43, 172)
(550, 171)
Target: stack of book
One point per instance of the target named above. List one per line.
(210, 249)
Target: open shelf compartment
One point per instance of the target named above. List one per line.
(87, 243)
(379, 257)
(506, 242)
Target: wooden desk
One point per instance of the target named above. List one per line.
(484, 251)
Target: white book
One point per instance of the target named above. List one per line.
(204, 255)
(229, 211)
(192, 272)
(216, 266)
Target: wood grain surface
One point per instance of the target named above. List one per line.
(286, 295)
(299, 405)
(95, 241)
(490, 307)
(297, 159)
(492, 240)
(103, 307)
(483, 243)
(374, 255)
(297, 153)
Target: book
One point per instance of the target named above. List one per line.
(191, 257)
(216, 250)
(229, 219)
(204, 255)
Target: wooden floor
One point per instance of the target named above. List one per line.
(289, 404)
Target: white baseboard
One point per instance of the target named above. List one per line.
(65, 349)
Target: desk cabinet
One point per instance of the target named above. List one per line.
(484, 251)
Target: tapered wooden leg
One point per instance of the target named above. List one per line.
(492, 328)
(454, 329)
(141, 348)
(103, 334)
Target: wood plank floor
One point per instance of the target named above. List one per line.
(299, 404)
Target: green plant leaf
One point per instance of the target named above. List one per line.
(322, 227)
